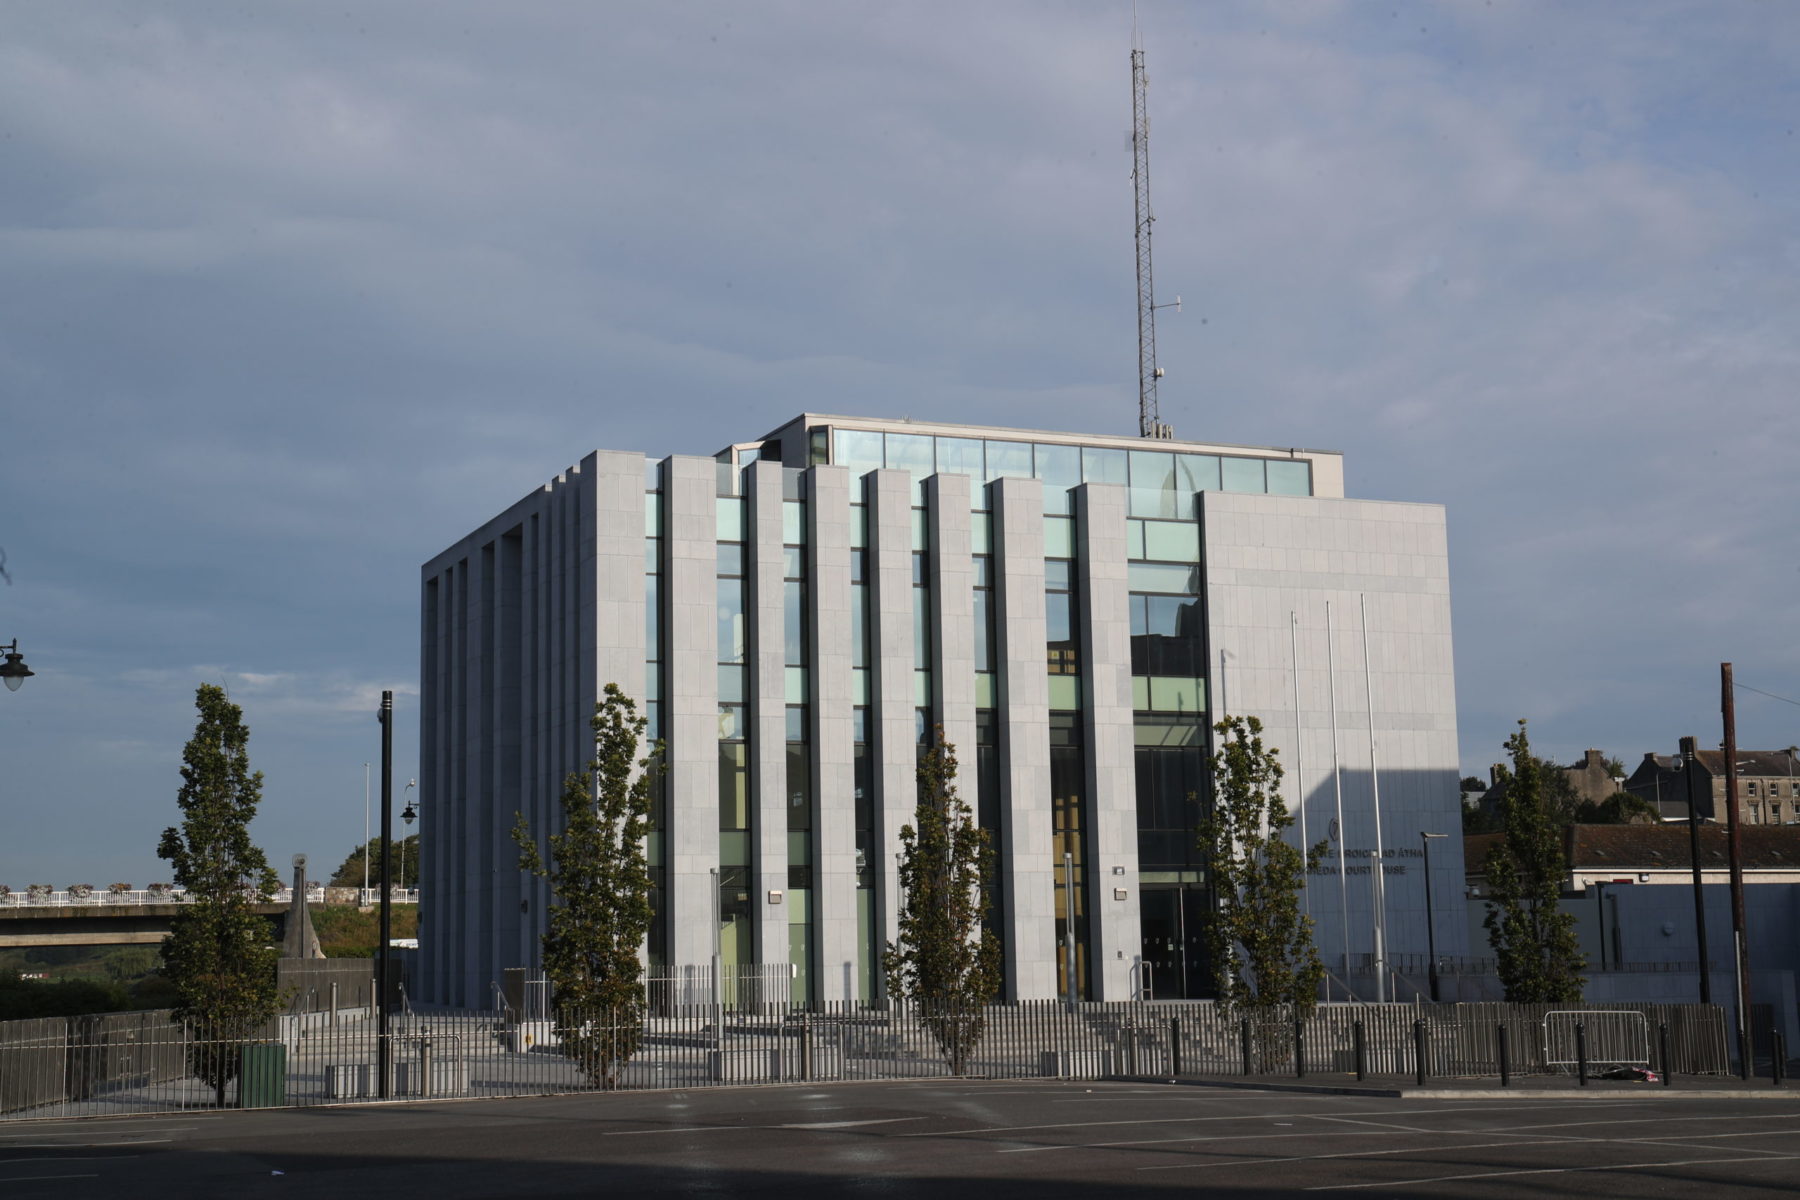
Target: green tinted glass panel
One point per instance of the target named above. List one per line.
(734, 849)
(1289, 478)
(796, 685)
(859, 686)
(1104, 466)
(859, 526)
(858, 450)
(1008, 459)
(981, 533)
(793, 521)
(1058, 466)
(1241, 475)
(911, 452)
(730, 519)
(1174, 541)
(1169, 694)
(799, 847)
(987, 690)
(1065, 692)
(922, 688)
(1196, 473)
(1156, 577)
(1134, 539)
(1059, 537)
(731, 685)
(1153, 470)
(921, 530)
(1140, 692)
(961, 456)
(653, 514)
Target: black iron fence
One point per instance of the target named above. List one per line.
(142, 1063)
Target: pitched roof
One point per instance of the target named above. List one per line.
(1752, 763)
(1659, 847)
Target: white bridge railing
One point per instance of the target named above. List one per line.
(26, 898)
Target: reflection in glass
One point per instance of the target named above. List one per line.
(961, 456)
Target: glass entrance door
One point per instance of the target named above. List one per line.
(1173, 924)
(1159, 915)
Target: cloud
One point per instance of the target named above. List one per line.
(299, 296)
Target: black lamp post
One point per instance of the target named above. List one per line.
(1431, 969)
(384, 953)
(12, 666)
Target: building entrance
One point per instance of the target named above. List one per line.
(1173, 920)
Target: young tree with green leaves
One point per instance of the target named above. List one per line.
(600, 878)
(405, 852)
(1260, 940)
(220, 955)
(944, 960)
(1535, 949)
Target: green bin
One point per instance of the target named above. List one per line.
(262, 1080)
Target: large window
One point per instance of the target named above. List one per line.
(1061, 618)
(736, 937)
(1171, 783)
(1068, 786)
(1162, 482)
(1167, 635)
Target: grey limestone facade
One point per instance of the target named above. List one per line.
(797, 615)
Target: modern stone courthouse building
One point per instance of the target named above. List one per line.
(795, 616)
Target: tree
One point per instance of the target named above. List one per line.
(600, 878)
(1261, 942)
(219, 956)
(1535, 950)
(944, 960)
(1620, 808)
(405, 859)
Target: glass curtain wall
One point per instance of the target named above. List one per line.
(802, 802)
(657, 843)
(736, 936)
(1068, 775)
(1168, 667)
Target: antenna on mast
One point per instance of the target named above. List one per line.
(1150, 423)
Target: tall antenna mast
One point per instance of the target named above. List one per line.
(1149, 416)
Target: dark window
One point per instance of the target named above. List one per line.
(1167, 635)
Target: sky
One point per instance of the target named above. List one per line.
(297, 294)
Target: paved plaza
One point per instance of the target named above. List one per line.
(941, 1139)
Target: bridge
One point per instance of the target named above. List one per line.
(137, 918)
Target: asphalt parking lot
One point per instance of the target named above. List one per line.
(942, 1139)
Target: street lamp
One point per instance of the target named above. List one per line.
(13, 669)
(409, 814)
(1431, 969)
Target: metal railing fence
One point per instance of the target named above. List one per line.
(145, 1062)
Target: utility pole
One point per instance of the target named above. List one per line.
(1690, 768)
(1728, 709)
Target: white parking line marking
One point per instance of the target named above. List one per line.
(1231, 1117)
(1251, 1137)
(681, 1129)
(1240, 1162)
(843, 1124)
(1644, 1166)
(38, 1178)
(84, 1145)
(39, 1131)
(1374, 1124)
